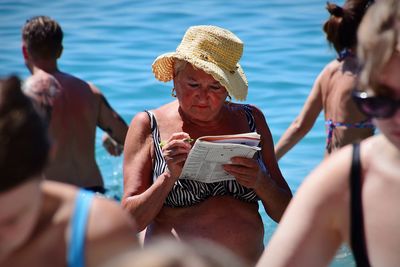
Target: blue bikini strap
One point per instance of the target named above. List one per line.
(76, 249)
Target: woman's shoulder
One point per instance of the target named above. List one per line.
(166, 110)
(243, 107)
(332, 174)
(332, 67)
(62, 191)
(144, 117)
(345, 67)
(377, 151)
(60, 199)
(111, 214)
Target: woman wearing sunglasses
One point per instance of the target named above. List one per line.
(353, 196)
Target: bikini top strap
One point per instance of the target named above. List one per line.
(250, 117)
(76, 247)
(358, 242)
(153, 122)
(159, 162)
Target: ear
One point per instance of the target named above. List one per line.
(25, 52)
(60, 52)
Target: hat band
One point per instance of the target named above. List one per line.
(209, 58)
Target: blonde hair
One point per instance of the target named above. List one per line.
(179, 65)
(378, 40)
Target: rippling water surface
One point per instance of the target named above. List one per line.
(113, 43)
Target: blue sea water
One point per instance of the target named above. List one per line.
(113, 43)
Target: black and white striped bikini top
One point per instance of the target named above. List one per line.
(185, 192)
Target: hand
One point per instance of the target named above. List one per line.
(246, 171)
(175, 151)
(112, 147)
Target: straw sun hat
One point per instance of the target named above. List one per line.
(213, 50)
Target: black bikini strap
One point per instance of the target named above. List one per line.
(250, 117)
(358, 244)
(153, 122)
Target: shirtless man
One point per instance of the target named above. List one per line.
(73, 107)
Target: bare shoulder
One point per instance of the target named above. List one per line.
(331, 177)
(167, 111)
(332, 66)
(140, 123)
(69, 80)
(258, 116)
(41, 82)
(324, 194)
(110, 231)
(94, 88)
(65, 192)
(108, 217)
(378, 152)
(106, 213)
(257, 113)
(328, 71)
(138, 138)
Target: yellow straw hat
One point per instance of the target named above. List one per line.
(212, 49)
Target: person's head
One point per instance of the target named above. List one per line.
(42, 39)
(379, 53)
(23, 154)
(341, 27)
(209, 49)
(173, 253)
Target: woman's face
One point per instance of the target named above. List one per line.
(390, 79)
(200, 96)
(19, 210)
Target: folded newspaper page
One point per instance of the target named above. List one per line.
(204, 162)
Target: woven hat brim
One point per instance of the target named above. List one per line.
(235, 83)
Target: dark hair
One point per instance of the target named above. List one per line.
(341, 27)
(24, 144)
(43, 37)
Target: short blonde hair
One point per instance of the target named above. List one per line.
(378, 40)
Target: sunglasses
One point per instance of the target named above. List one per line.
(375, 106)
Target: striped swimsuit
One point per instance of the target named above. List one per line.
(185, 192)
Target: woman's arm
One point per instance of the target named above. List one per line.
(270, 187)
(316, 221)
(304, 121)
(273, 190)
(142, 198)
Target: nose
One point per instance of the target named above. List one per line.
(203, 93)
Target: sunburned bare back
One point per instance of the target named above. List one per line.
(77, 109)
(73, 128)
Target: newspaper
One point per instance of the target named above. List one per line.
(204, 162)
